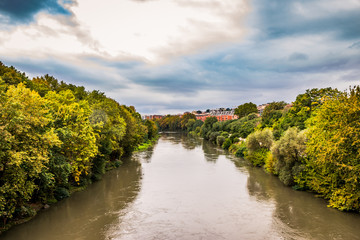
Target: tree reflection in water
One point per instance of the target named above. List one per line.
(297, 214)
(84, 214)
(211, 152)
(189, 195)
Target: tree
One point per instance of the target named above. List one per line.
(333, 148)
(110, 127)
(185, 118)
(190, 124)
(206, 128)
(272, 113)
(71, 120)
(305, 104)
(245, 109)
(12, 76)
(258, 144)
(135, 130)
(289, 154)
(25, 140)
(152, 129)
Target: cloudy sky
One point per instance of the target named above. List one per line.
(171, 56)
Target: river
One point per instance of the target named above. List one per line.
(186, 188)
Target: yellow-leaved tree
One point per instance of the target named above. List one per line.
(71, 121)
(25, 140)
(334, 150)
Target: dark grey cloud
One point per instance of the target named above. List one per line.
(289, 51)
(298, 57)
(20, 11)
(68, 73)
(279, 18)
(355, 45)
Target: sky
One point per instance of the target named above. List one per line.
(172, 56)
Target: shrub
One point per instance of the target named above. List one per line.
(213, 136)
(220, 140)
(258, 157)
(258, 145)
(289, 152)
(241, 151)
(227, 144)
(61, 193)
(270, 162)
(225, 134)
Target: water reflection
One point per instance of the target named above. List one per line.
(144, 156)
(87, 214)
(187, 188)
(211, 152)
(188, 142)
(297, 214)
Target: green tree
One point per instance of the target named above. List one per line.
(25, 140)
(206, 128)
(135, 129)
(333, 148)
(11, 76)
(152, 129)
(272, 113)
(190, 124)
(305, 104)
(258, 145)
(71, 120)
(289, 154)
(245, 109)
(110, 127)
(185, 118)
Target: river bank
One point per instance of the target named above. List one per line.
(33, 209)
(185, 188)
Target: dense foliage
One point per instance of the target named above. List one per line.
(55, 137)
(245, 109)
(334, 150)
(312, 144)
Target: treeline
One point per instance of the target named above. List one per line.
(312, 144)
(55, 137)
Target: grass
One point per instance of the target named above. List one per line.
(146, 145)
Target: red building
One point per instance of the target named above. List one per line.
(202, 117)
(220, 117)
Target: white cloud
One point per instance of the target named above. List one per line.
(153, 31)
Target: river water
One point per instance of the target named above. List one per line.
(186, 188)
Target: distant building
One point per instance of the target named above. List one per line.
(152, 117)
(221, 114)
(261, 108)
(202, 116)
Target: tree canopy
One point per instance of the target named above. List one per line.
(245, 109)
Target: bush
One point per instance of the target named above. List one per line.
(270, 162)
(289, 152)
(227, 144)
(220, 140)
(213, 136)
(197, 130)
(252, 116)
(258, 145)
(258, 157)
(225, 134)
(238, 149)
(61, 193)
(234, 137)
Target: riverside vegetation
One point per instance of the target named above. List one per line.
(56, 138)
(312, 144)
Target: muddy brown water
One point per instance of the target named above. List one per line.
(186, 188)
